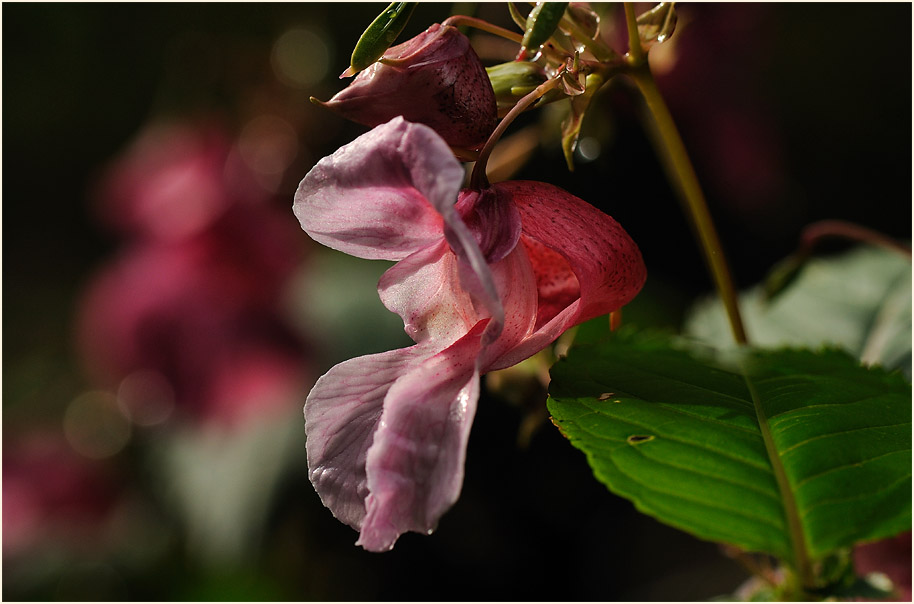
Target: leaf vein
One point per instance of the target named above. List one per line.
(846, 465)
(748, 486)
(703, 446)
(710, 504)
(838, 433)
(863, 495)
(743, 403)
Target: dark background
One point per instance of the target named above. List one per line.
(793, 113)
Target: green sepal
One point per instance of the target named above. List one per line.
(512, 80)
(380, 35)
(517, 17)
(541, 23)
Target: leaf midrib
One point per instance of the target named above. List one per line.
(791, 512)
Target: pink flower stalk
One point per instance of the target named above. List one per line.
(481, 285)
(434, 79)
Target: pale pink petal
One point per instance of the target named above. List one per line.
(415, 465)
(341, 415)
(376, 197)
(558, 303)
(424, 289)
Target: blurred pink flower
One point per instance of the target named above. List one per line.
(195, 298)
(202, 314)
(50, 493)
(434, 79)
(480, 285)
(174, 180)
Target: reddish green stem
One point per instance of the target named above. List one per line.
(478, 179)
(458, 20)
(839, 229)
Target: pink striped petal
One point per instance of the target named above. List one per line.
(602, 257)
(585, 265)
(376, 197)
(415, 465)
(342, 413)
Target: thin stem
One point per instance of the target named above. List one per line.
(478, 178)
(682, 173)
(465, 20)
(635, 50)
(458, 20)
(840, 229)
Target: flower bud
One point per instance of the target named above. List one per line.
(434, 79)
(542, 22)
(379, 36)
(512, 80)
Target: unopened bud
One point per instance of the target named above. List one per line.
(541, 24)
(434, 79)
(513, 80)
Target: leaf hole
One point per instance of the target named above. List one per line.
(637, 439)
(609, 395)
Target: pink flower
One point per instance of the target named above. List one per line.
(434, 79)
(481, 285)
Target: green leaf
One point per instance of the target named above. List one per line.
(683, 436)
(859, 301)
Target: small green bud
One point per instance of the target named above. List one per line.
(379, 36)
(511, 81)
(541, 24)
